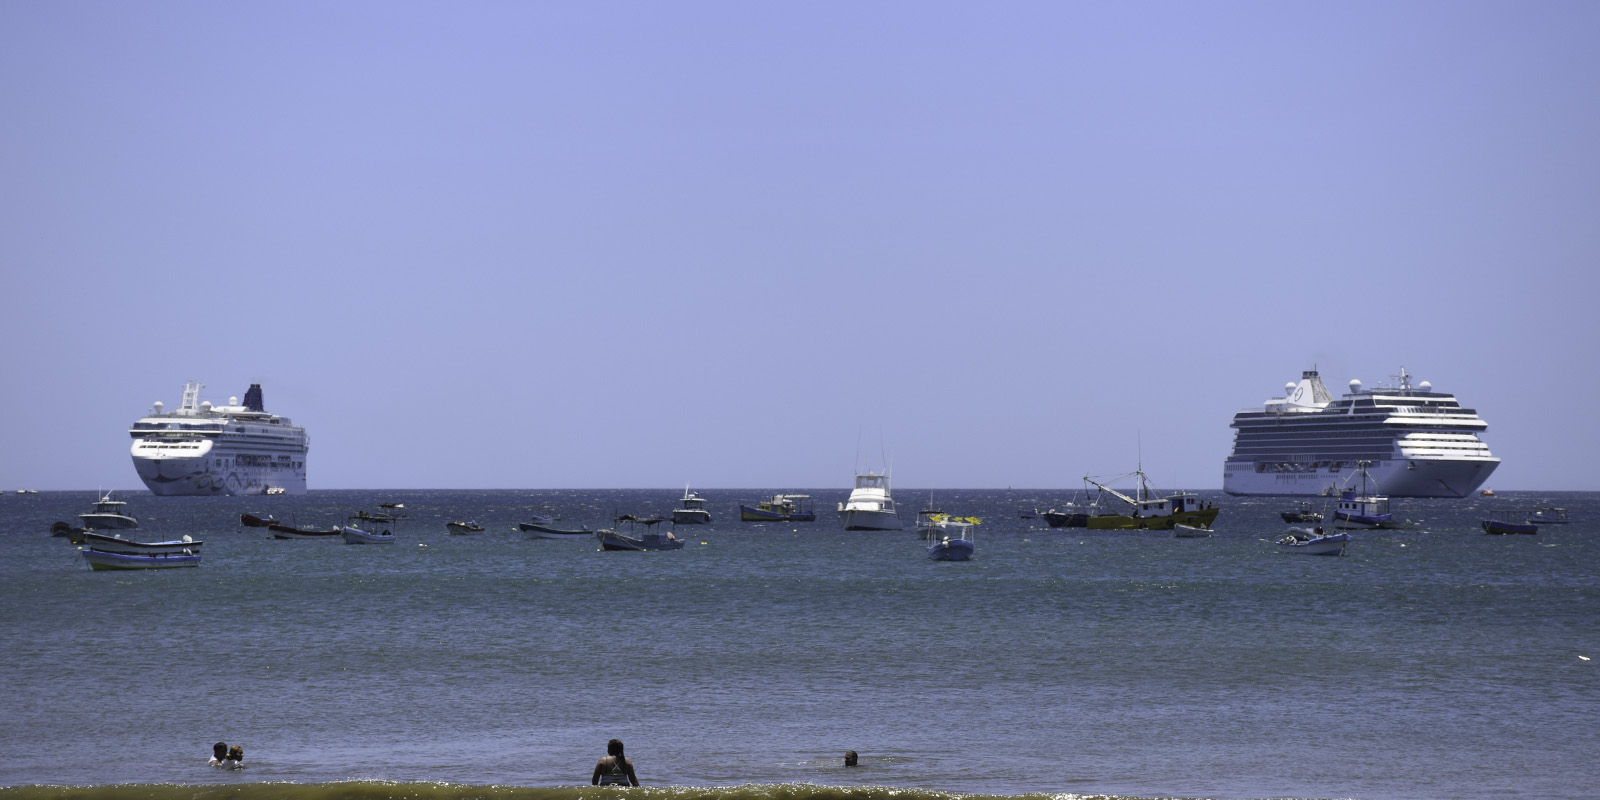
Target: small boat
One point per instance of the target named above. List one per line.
(463, 528)
(1027, 513)
(1486, 493)
(952, 539)
(1313, 542)
(354, 535)
(117, 544)
(100, 560)
(1548, 516)
(1072, 516)
(381, 518)
(276, 490)
(290, 532)
(534, 530)
(1498, 527)
(253, 521)
(1359, 510)
(649, 539)
(1304, 514)
(108, 513)
(27, 491)
(781, 508)
(928, 519)
(1182, 531)
(692, 510)
(392, 506)
(870, 506)
(73, 535)
(1150, 512)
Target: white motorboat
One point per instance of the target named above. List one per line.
(108, 513)
(692, 511)
(870, 506)
(354, 535)
(1190, 531)
(463, 528)
(117, 544)
(1313, 542)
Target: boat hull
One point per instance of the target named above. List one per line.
(1348, 521)
(691, 517)
(1063, 519)
(1397, 477)
(353, 535)
(199, 476)
(1498, 527)
(862, 520)
(100, 560)
(286, 532)
(533, 530)
(1331, 545)
(1199, 518)
(951, 550)
(111, 544)
(748, 514)
(611, 540)
(462, 529)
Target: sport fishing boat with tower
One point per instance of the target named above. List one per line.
(201, 449)
(1417, 442)
(870, 506)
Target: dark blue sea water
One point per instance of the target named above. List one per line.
(1436, 662)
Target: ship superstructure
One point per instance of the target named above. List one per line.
(1418, 442)
(201, 449)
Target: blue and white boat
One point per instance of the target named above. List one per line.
(1359, 510)
(354, 535)
(648, 539)
(101, 560)
(1548, 516)
(952, 541)
(117, 544)
(1313, 542)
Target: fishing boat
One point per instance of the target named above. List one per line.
(1149, 511)
(534, 530)
(117, 544)
(870, 506)
(634, 539)
(781, 508)
(1498, 527)
(1313, 542)
(1548, 516)
(1359, 509)
(108, 513)
(280, 531)
(101, 560)
(692, 510)
(954, 539)
(1303, 514)
(1072, 515)
(253, 521)
(1190, 531)
(1027, 513)
(354, 535)
(463, 528)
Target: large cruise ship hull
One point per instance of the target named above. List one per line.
(199, 477)
(1395, 478)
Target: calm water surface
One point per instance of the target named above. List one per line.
(1427, 663)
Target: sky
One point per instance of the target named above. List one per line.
(642, 244)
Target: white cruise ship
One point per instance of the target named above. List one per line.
(1420, 443)
(201, 449)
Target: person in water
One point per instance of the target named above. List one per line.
(849, 758)
(235, 759)
(615, 769)
(219, 751)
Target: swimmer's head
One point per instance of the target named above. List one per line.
(219, 750)
(614, 747)
(236, 753)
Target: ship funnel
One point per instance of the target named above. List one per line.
(252, 399)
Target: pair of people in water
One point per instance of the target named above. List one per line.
(616, 770)
(226, 757)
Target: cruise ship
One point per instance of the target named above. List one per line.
(1418, 442)
(201, 449)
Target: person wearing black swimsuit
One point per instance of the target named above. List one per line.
(615, 769)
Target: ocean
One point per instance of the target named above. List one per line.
(1432, 662)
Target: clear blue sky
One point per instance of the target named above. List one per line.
(615, 244)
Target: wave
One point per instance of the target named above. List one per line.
(383, 790)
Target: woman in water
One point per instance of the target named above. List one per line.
(615, 769)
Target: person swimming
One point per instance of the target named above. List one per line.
(219, 751)
(235, 759)
(615, 769)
